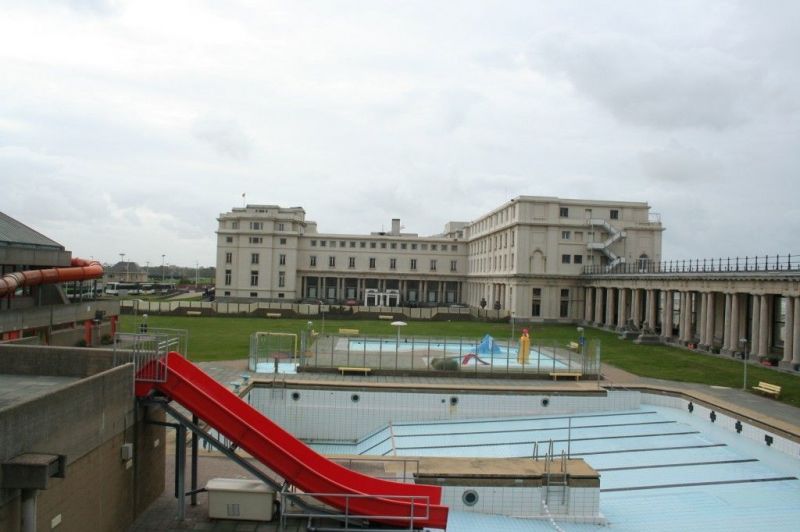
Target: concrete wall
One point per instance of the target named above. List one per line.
(55, 361)
(87, 421)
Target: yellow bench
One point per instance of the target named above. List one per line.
(365, 371)
(769, 389)
(575, 346)
(349, 332)
(273, 314)
(569, 374)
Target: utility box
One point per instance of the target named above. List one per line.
(236, 498)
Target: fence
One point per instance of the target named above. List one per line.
(764, 263)
(447, 354)
(147, 352)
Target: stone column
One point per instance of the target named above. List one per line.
(587, 304)
(610, 293)
(652, 308)
(726, 326)
(763, 333)
(756, 328)
(733, 341)
(666, 321)
(796, 335)
(710, 320)
(598, 306)
(689, 325)
(701, 320)
(682, 319)
(636, 298)
(788, 332)
(622, 304)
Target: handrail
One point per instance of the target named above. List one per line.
(746, 264)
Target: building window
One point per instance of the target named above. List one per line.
(362, 244)
(282, 259)
(227, 277)
(565, 259)
(563, 212)
(564, 307)
(614, 214)
(254, 278)
(256, 226)
(313, 259)
(234, 225)
(393, 245)
(644, 262)
(413, 246)
(351, 262)
(453, 265)
(281, 279)
(392, 264)
(454, 247)
(372, 245)
(227, 292)
(228, 258)
(253, 294)
(433, 247)
(565, 235)
(433, 265)
(254, 258)
(255, 239)
(413, 264)
(342, 244)
(280, 295)
(323, 243)
(282, 241)
(352, 244)
(383, 245)
(423, 246)
(372, 262)
(281, 227)
(577, 259)
(536, 305)
(403, 245)
(332, 262)
(313, 243)
(333, 243)
(228, 239)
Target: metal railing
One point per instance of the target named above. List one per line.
(762, 263)
(146, 351)
(347, 517)
(446, 354)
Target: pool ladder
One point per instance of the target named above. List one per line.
(555, 475)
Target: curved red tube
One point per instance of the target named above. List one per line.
(80, 270)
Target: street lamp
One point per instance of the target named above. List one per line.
(162, 269)
(745, 356)
(398, 324)
(122, 260)
(322, 311)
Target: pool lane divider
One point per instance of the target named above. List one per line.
(690, 484)
(564, 427)
(681, 464)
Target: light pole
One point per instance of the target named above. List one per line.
(196, 271)
(322, 311)
(745, 356)
(512, 326)
(122, 260)
(398, 324)
(162, 269)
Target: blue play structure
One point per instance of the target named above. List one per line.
(488, 346)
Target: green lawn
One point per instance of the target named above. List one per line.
(229, 338)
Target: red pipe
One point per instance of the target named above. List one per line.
(81, 270)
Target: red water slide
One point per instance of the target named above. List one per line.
(390, 502)
(81, 270)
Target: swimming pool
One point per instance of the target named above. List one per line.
(663, 465)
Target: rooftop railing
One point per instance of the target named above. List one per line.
(762, 263)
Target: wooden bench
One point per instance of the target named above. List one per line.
(274, 314)
(385, 317)
(349, 332)
(569, 374)
(365, 371)
(193, 313)
(769, 389)
(575, 346)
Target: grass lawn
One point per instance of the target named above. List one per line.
(229, 338)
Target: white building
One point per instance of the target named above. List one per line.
(526, 256)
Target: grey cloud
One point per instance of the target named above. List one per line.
(676, 163)
(644, 83)
(225, 136)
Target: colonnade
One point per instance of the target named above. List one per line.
(728, 322)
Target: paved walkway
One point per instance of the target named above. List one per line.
(162, 515)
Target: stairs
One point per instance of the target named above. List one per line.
(605, 247)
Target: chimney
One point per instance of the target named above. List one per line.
(395, 226)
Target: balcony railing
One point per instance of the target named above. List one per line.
(762, 263)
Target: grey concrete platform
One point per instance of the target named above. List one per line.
(18, 388)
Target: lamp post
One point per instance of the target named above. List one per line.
(196, 271)
(122, 260)
(162, 269)
(512, 325)
(322, 311)
(398, 324)
(745, 356)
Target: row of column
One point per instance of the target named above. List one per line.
(341, 286)
(709, 320)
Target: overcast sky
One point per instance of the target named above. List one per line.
(129, 126)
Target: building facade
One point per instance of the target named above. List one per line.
(525, 257)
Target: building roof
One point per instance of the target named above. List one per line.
(15, 233)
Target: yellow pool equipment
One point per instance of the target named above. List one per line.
(524, 347)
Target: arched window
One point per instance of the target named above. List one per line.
(644, 262)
